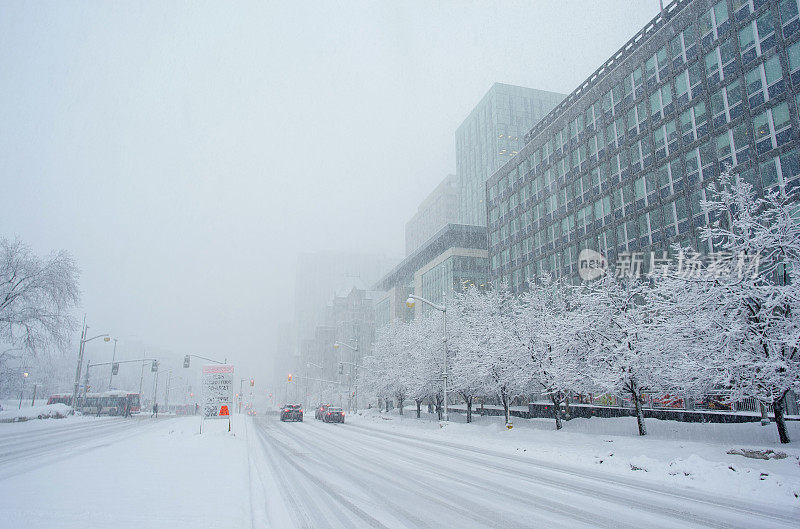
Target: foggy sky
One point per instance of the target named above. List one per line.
(185, 152)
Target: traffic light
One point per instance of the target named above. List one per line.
(154, 366)
(341, 368)
(115, 368)
(185, 361)
(290, 377)
(252, 382)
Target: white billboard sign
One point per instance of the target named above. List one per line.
(217, 384)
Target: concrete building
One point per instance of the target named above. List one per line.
(490, 136)
(454, 258)
(439, 209)
(621, 165)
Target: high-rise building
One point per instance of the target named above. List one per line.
(453, 259)
(439, 209)
(622, 164)
(492, 134)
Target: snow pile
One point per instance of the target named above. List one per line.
(45, 411)
(699, 456)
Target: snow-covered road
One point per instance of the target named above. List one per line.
(374, 471)
(30, 446)
(354, 475)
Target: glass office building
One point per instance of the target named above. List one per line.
(490, 136)
(621, 165)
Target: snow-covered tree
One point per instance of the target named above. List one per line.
(551, 335)
(36, 297)
(744, 304)
(620, 357)
(485, 344)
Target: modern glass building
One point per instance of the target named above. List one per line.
(492, 134)
(453, 259)
(621, 165)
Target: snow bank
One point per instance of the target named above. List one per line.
(683, 455)
(45, 411)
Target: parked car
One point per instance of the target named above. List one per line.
(333, 415)
(292, 412)
(320, 411)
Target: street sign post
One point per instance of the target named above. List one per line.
(217, 391)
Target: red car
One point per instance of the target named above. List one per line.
(292, 412)
(333, 415)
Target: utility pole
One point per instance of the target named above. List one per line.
(141, 379)
(113, 357)
(80, 365)
(166, 393)
(155, 388)
(86, 380)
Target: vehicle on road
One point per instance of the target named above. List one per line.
(106, 403)
(320, 411)
(251, 412)
(292, 412)
(333, 415)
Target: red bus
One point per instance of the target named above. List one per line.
(106, 403)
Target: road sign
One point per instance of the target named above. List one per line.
(217, 382)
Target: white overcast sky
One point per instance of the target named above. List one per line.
(184, 152)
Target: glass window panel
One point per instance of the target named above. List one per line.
(772, 69)
(780, 116)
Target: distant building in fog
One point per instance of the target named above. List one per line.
(439, 209)
(490, 136)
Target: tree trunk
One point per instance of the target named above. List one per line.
(567, 414)
(556, 411)
(386, 401)
(419, 405)
(638, 405)
(438, 406)
(504, 400)
(468, 402)
(401, 398)
(777, 406)
(764, 415)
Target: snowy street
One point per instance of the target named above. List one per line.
(373, 471)
(356, 475)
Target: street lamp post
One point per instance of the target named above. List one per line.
(410, 302)
(24, 378)
(81, 349)
(113, 357)
(309, 364)
(336, 345)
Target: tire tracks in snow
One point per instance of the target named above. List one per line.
(598, 485)
(294, 488)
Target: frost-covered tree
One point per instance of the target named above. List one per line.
(744, 304)
(552, 336)
(468, 382)
(36, 297)
(426, 361)
(407, 362)
(620, 357)
(485, 343)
